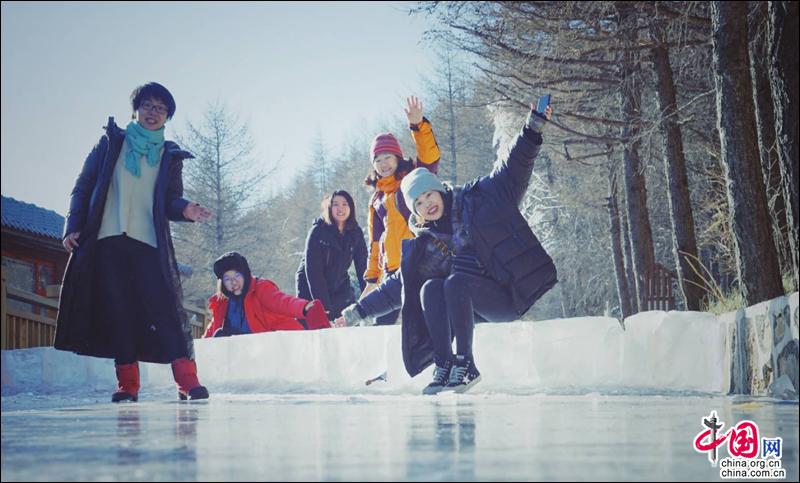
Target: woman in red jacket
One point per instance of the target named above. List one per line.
(245, 304)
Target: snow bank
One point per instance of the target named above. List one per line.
(751, 351)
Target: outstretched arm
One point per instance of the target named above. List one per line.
(274, 300)
(386, 298)
(511, 176)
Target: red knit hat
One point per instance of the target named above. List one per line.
(385, 143)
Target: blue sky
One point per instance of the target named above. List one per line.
(285, 68)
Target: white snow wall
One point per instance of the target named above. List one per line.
(750, 351)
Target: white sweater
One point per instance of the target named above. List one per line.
(129, 204)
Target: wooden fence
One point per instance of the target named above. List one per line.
(658, 288)
(22, 329)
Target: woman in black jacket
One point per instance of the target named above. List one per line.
(473, 257)
(333, 244)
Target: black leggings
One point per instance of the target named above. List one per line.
(450, 306)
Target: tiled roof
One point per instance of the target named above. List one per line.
(30, 218)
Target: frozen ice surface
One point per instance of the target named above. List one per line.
(373, 437)
(572, 399)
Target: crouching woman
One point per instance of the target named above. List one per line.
(245, 304)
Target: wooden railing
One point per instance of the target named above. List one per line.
(23, 329)
(199, 318)
(658, 288)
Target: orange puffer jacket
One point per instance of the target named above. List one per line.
(388, 213)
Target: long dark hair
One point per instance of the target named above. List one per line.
(327, 207)
(404, 166)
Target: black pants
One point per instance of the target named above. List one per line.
(136, 302)
(450, 306)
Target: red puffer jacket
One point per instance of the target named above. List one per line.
(266, 308)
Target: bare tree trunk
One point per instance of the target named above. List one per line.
(765, 125)
(219, 219)
(684, 242)
(452, 114)
(783, 68)
(628, 252)
(616, 248)
(636, 192)
(756, 260)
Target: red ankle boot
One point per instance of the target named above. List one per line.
(185, 372)
(127, 382)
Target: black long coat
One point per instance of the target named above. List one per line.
(79, 327)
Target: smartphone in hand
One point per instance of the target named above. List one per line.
(544, 101)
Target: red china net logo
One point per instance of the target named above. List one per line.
(742, 438)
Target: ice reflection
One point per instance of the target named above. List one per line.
(306, 437)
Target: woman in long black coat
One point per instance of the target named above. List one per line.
(333, 244)
(121, 295)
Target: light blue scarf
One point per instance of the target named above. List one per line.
(142, 142)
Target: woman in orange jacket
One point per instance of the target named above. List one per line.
(245, 304)
(388, 213)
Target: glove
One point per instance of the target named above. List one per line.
(316, 317)
(535, 121)
(352, 317)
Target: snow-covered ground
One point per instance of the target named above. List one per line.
(572, 399)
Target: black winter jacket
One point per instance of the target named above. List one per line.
(79, 327)
(491, 228)
(323, 271)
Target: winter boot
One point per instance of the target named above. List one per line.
(185, 373)
(127, 383)
(441, 375)
(463, 375)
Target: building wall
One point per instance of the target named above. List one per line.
(31, 263)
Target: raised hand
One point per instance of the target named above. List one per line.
(548, 112)
(537, 121)
(413, 110)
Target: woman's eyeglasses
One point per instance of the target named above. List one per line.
(149, 106)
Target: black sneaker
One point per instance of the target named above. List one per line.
(440, 378)
(199, 392)
(463, 375)
(122, 396)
